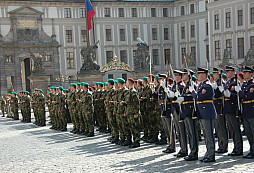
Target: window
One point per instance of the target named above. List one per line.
(165, 12)
(110, 76)
(216, 21)
(109, 56)
(67, 13)
(134, 12)
(217, 49)
(240, 17)
(182, 10)
(135, 34)
(183, 32)
(229, 47)
(165, 33)
(69, 36)
(155, 57)
(121, 12)
(192, 10)
(107, 12)
(207, 53)
(9, 58)
(82, 12)
(124, 76)
(154, 33)
(183, 54)
(167, 56)
(70, 60)
(240, 47)
(207, 28)
(83, 35)
(108, 35)
(48, 58)
(153, 12)
(123, 56)
(122, 34)
(134, 54)
(252, 15)
(193, 53)
(192, 30)
(252, 42)
(228, 19)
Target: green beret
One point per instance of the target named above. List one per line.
(82, 83)
(61, 88)
(115, 81)
(72, 84)
(106, 83)
(145, 78)
(100, 83)
(27, 92)
(194, 77)
(66, 90)
(33, 92)
(86, 84)
(78, 83)
(224, 75)
(97, 83)
(35, 88)
(22, 91)
(121, 80)
(157, 76)
(111, 80)
(211, 74)
(52, 87)
(14, 93)
(50, 92)
(41, 90)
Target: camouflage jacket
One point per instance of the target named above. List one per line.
(132, 102)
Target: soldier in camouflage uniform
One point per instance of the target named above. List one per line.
(78, 112)
(52, 108)
(61, 109)
(35, 105)
(21, 104)
(14, 106)
(103, 98)
(27, 107)
(132, 112)
(2, 104)
(41, 108)
(101, 107)
(114, 121)
(67, 113)
(88, 110)
(72, 104)
(110, 108)
(95, 104)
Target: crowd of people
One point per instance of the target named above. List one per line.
(161, 107)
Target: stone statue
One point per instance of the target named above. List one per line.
(142, 59)
(37, 63)
(225, 60)
(89, 55)
(249, 58)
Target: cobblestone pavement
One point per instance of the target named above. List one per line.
(28, 148)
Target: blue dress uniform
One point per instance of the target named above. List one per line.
(188, 114)
(166, 116)
(206, 113)
(247, 96)
(220, 122)
(178, 122)
(230, 110)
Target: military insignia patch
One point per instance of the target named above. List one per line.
(203, 91)
(251, 90)
(187, 90)
(233, 88)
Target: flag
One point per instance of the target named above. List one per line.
(90, 14)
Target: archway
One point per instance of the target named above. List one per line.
(25, 73)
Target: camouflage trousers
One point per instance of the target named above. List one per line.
(2, 109)
(145, 119)
(134, 127)
(62, 119)
(27, 114)
(89, 122)
(41, 115)
(123, 126)
(160, 125)
(112, 124)
(102, 119)
(81, 120)
(16, 113)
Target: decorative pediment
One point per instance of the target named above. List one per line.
(25, 10)
(115, 64)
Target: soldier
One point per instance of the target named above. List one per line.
(67, 112)
(62, 110)
(114, 120)
(20, 103)
(189, 115)
(79, 117)
(206, 112)
(246, 93)
(177, 90)
(41, 109)
(220, 122)
(103, 99)
(2, 104)
(101, 107)
(109, 110)
(132, 112)
(71, 105)
(15, 106)
(88, 110)
(27, 107)
(230, 110)
(35, 105)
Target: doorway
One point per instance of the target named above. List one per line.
(25, 73)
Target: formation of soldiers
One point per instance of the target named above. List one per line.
(161, 107)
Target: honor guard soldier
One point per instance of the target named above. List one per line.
(166, 114)
(220, 122)
(2, 104)
(206, 112)
(247, 95)
(189, 114)
(230, 110)
(14, 105)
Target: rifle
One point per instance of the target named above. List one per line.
(238, 98)
(221, 84)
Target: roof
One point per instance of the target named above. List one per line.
(83, 1)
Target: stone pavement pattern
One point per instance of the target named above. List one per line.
(28, 148)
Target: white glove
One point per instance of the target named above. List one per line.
(227, 93)
(180, 100)
(191, 88)
(163, 84)
(177, 93)
(221, 88)
(170, 94)
(215, 86)
(237, 88)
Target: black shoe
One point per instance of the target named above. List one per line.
(161, 142)
(107, 131)
(90, 134)
(144, 138)
(221, 151)
(245, 156)
(234, 153)
(127, 143)
(135, 145)
(43, 124)
(191, 158)
(110, 139)
(64, 129)
(169, 150)
(207, 160)
(114, 140)
(251, 156)
(153, 140)
(120, 142)
(73, 130)
(76, 131)
(181, 154)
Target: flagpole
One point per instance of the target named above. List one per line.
(87, 31)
